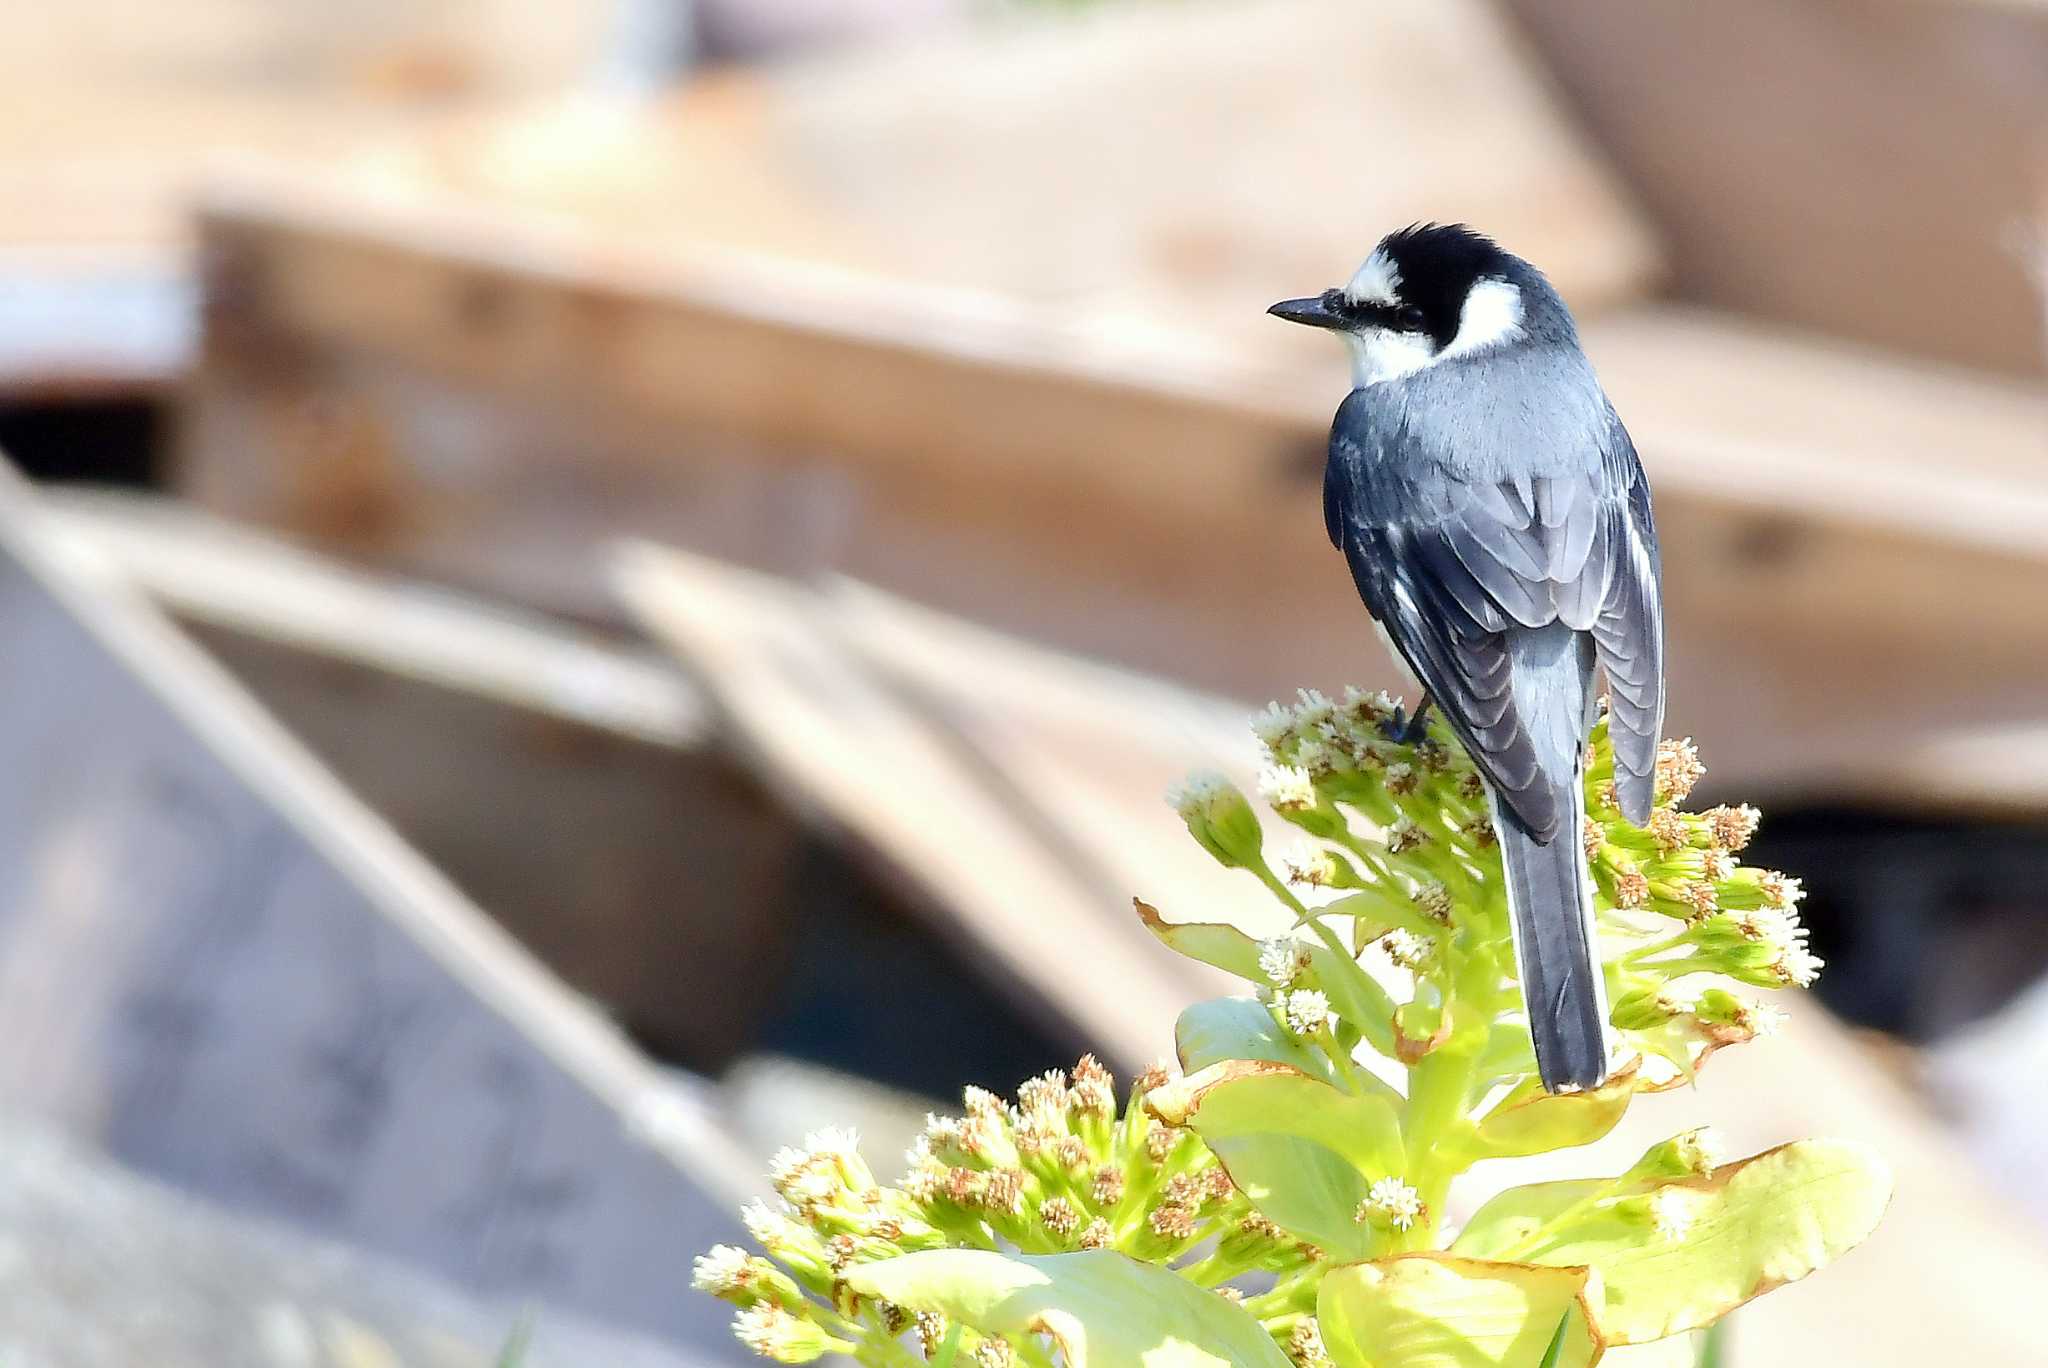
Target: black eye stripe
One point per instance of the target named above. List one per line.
(1399, 317)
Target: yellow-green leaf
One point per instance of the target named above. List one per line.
(1442, 1311)
(1354, 994)
(1730, 1236)
(1241, 1028)
(1532, 1121)
(1213, 943)
(1511, 1217)
(1102, 1309)
(1304, 1153)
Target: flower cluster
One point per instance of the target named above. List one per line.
(1059, 1170)
(1285, 1200)
(1400, 831)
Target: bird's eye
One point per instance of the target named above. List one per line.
(1412, 318)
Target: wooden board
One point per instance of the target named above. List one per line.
(914, 787)
(219, 967)
(565, 782)
(1831, 193)
(105, 1269)
(111, 109)
(1827, 583)
(1017, 791)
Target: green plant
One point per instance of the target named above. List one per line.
(1283, 1198)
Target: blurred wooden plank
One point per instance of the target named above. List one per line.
(1816, 557)
(125, 1271)
(221, 968)
(912, 795)
(214, 572)
(565, 783)
(1830, 194)
(111, 109)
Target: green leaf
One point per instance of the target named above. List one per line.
(1213, 943)
(1301, 1151)
(1753, 1225)
(1354, 994)
(1440, 1311)
(1532, 1121)
(1102, 1309)
(1511, 1217)
(1242, 1028)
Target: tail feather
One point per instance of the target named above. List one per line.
(1556, 947)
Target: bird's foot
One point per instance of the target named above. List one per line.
(1406, 729)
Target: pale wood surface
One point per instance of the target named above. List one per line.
(1807, 162)
(225, 971)
(565, 782)
(1018, 790)
(110, 111)
(100, 1268)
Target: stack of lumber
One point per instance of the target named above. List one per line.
(221, 969)
(1013, 362)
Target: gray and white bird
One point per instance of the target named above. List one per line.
(1497, 524)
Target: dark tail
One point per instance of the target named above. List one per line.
(1551, 909)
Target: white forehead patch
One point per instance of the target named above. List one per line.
(1377, 282)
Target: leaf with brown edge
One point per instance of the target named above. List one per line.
(1302, 1152)
(1532, 1121)
(1747, 1227)
(1436, 1310)
(1212, 943)
(1223, 1029)
(1103, 1310)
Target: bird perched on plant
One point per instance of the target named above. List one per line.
(1497, 524)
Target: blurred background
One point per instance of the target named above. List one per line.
(599, 584)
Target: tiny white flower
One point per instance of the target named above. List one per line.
(1315, 754)
(1764, 1019)
(1704, 1149)
(1375, 705)
(722, 1269)
(787, 1164)
(1313, 710)
(836, 1141)
(763, 1222)
(1282, 959)
(1394, 1202)
(1406, 949)
(1193, 794)
(1671, 1212)
(774, 1333)
(1800, 966)
(1310, 864)
(1404, 835)
(1308, 1011)
(1273, 724)
(1286, 786)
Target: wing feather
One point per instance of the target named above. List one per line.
(1452, 568)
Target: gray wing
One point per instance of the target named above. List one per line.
(1452, 567)
(1629, 629)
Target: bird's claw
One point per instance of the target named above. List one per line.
(1404, 730)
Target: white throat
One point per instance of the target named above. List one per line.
(1491, 317)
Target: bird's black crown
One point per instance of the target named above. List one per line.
(1438, 264)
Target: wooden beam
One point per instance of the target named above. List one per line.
(227, 972)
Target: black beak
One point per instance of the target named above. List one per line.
(1313, 312)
